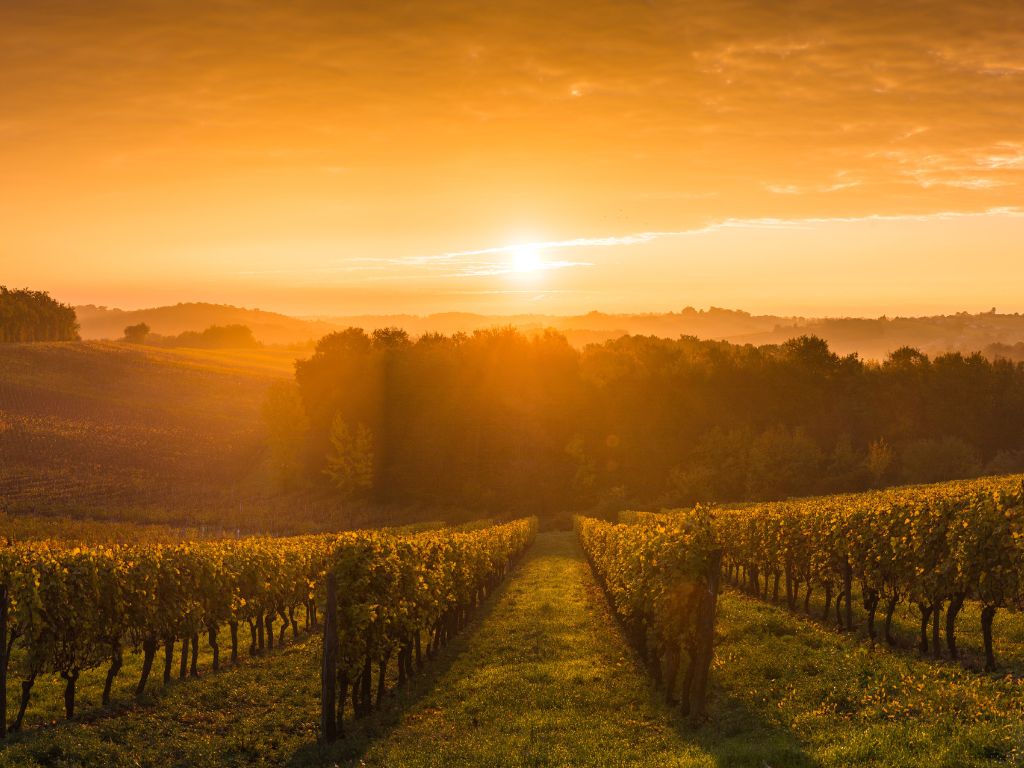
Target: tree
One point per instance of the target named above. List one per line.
(880, 461)
(350, 459)
(782, 463)
(218, 337)
(503, 421)
(136, 334)
(928, 461)
(716, 470)
(33, 316)
(846, 470)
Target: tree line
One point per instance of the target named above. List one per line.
(232, 336)
(33, 316)
(502, 421)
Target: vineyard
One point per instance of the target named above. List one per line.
(142, 614)
(126, 639)
(936, 548)
(662, 582)
(64, 609)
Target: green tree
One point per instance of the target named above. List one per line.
(350, 458)
(33, 316)
(136, 334)
(218, 337)
(585, 475)
(880, 461)
(846, 470)
(783, 463)
(928, 460)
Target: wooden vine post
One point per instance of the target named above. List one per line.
(328, 675)
(705, 640)
(3, 661)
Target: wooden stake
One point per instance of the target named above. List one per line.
(328, 723)
(3, 661)
(704, 647)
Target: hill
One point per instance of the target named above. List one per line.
(118, 432)
(996, 335)
(268, 327)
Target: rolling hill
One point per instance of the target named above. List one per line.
(872, 338)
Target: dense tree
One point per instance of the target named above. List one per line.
(880, 462)
(350, 460)
(136, 334)
(33, 316)
(498, 420)
(929, 460)
(235, 336)
(218, 337)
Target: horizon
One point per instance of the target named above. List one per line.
(704, 309)
(323, 159)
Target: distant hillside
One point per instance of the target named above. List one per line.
(872, 338)
(269, 327)
(990, 333)
(274, 328)
(123, 432)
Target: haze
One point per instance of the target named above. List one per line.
(332, 158)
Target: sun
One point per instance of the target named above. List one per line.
(526, 258)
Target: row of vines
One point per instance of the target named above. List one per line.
(402, 598)
(661, 580)
(935, 547)
(66, 609)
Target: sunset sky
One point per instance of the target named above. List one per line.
(338, 157)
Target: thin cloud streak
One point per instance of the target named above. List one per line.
(466, 264)
(639, 238)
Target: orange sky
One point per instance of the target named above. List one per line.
(339, 157)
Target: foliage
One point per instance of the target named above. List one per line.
(934, 546)
(350, 459)
(234, 336)
(880, 461)
(136, 334)
(546, 677)
(73, 608)
(231, 336)
(656, 574)
(782, 463)
(931, 460)
(33, 316)
(501, 420)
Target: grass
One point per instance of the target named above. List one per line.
(849, 704)
(543, 677)
(255, 714)
(1007, 630)
(546, 680)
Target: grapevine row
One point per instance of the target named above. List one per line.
(403, 597)
(68, 609)
(661, 580)
(935, 547)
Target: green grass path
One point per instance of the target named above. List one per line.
(546, 679)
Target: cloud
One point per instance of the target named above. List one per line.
(403, 128)
(497, 261)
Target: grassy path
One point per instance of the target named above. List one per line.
(546, 680)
